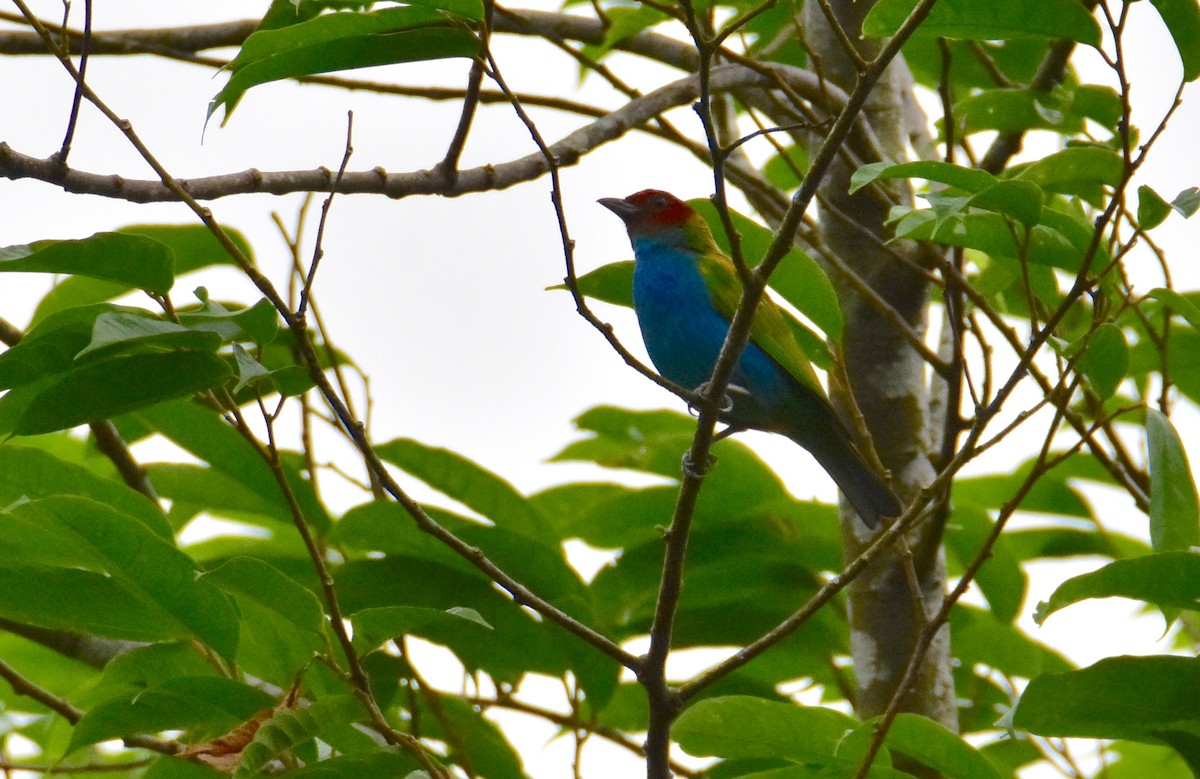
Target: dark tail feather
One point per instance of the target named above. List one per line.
(866, 490)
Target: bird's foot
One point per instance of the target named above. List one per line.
(694, 470)
(732, 392)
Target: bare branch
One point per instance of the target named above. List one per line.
(568, 151)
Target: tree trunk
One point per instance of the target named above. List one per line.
(887, 379)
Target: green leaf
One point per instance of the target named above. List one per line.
(259, 323)
(979, 637)
(80, 601)
(1167, 579)
(1178, 304)
(249, 370)
(372, 627)
(653, 442)
(1101, 104)
(1066, 170)
(1017, 58)
(1152, 209)
(1137, 761)
(369, 764)
(612, 283)
(208, 704)
(627, 21)
(191, 247)
(966, 179)
(940, 749)
(992, 234)
(289, 728)
(1187, 201)
(28, 473)
(214, 492)
(1174, 509)
(474, 741)
(738, 726)
(75, 532)
(385, 527)
(1018, 110)
(519, 645)
(1059, 542)
(1000, 579)
(785, 168)
(143, 667)
(271, 647)
(171, 767)
(122, 330)
(564, 505)
(344, 41)
(1182, 18)
(475, 487)
(50, 347)
(1150, 699)
(1020, 200)
(982, 20)
(251, 578)
(134, 260)
(102, 390)
(205, 434)
(1053, 493)
(1106, 359)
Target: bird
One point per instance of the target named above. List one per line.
(685, 292)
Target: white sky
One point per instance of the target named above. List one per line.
(442, 302)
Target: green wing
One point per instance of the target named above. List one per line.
(769, 330)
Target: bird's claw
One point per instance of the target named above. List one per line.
(694, 471)
(726, 404)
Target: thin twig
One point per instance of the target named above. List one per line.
(77, 98)
(319, 243)
(448, 167)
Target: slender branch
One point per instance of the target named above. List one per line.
(77, 98)
(848, 47)
(448, 167)
(30, 689)
(88, 768)
(318, 244)
(112, 446)
(573, 722)
(70, 713)
(567, 152)
(10, 334)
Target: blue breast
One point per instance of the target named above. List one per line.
(683, 334)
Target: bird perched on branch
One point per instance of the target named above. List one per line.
(685, 292)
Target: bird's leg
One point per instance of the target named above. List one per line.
(731, 430)
(732, 392)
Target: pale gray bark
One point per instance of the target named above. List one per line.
(888, 381)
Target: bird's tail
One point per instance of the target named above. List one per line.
(861, 483)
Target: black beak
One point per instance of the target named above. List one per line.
(619, 206)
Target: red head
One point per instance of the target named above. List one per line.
(650, 210)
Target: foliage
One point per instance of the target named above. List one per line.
(285, 641)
